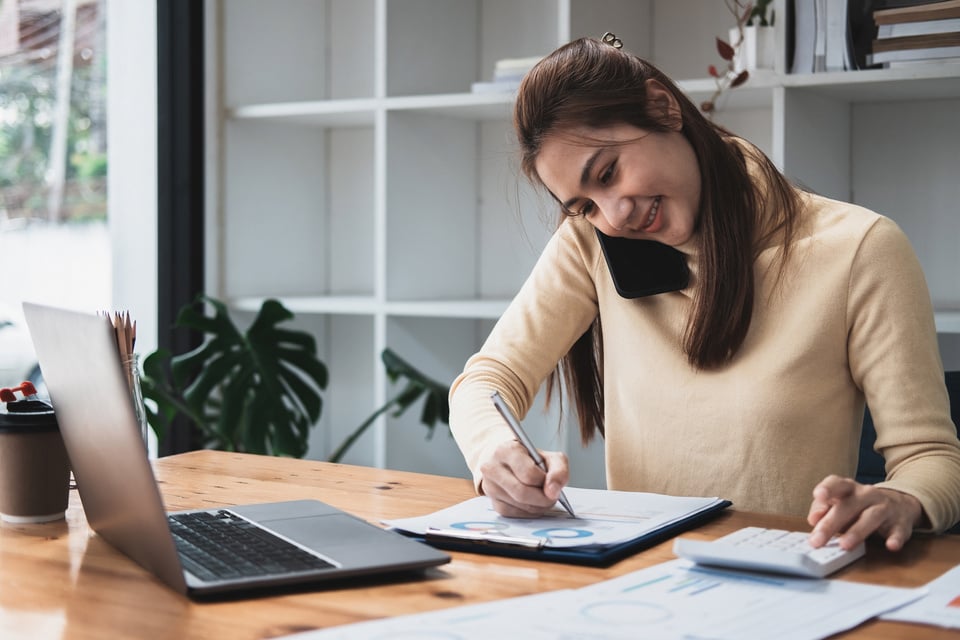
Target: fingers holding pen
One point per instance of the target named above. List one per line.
(558, 473)
(517, 486)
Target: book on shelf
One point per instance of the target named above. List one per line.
(829, 35)
(932, 54)
(900, 64)
(804, 31)
(921, 27)
(839, 52)
(499, 86)
(922, 12)
(922, 41)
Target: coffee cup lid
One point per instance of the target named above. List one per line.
(28, 415)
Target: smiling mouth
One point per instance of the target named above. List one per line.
(654, 210)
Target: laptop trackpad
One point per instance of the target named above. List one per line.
(347, 540)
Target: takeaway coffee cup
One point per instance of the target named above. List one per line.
(34, 467)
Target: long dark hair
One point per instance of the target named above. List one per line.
(589, 83)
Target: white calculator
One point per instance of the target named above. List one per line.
(773, 550)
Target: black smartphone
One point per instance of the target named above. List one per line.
(643, 267)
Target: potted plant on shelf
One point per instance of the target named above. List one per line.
(750, 47)
(753, 37)
(259, 391)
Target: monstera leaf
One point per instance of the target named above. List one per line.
(436, 405)
(257, 392)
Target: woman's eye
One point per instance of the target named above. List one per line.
(607, 174)
(580, 208)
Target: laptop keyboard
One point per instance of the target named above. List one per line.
(222, 546)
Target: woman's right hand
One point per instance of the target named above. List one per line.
(517, 486)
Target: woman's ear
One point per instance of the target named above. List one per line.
(662, 105)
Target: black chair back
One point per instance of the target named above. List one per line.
(870, 469)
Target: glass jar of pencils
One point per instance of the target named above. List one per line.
(131, 366)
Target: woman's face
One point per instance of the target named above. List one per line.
(626, 181)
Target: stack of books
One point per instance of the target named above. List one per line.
(507, 74)
(917, 33)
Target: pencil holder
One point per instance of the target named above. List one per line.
(132, 369)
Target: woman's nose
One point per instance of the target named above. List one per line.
(617, 211)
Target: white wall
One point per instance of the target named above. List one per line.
(132, 161)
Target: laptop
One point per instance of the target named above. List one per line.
(80, 364)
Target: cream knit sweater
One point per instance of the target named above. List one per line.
(850, 321)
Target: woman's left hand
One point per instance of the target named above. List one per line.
(854, 511)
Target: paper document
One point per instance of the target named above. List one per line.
(940, 607)
(675, 599)
(604, 518)
(680, 599)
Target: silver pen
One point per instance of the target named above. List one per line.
(518, 431)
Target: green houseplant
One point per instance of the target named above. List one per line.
(259, 391)
(762, 14)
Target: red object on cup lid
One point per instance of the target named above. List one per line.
(28, 414)
(26, 388)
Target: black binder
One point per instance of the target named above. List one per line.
(589, 555)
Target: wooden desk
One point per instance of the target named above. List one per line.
(60, 580)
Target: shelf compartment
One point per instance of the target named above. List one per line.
(432, 165)
(298, 210)
(678, 36)
(461, 223)
(919, 192)
(438, 348)
(423, 59)
(346, 348)
(297, 50)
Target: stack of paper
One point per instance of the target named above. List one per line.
(507, 74)
(671, 600)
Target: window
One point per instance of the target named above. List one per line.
(54, 236)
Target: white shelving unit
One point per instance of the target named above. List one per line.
(355, 177)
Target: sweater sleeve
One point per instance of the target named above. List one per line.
(894, 358)
(553, 308)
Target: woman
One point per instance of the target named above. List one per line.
(749, 382)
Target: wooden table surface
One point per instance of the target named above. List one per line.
(61, 580)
